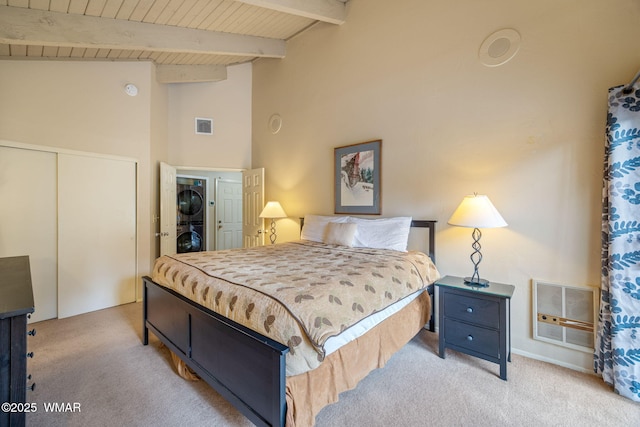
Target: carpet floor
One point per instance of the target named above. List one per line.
(95, 368)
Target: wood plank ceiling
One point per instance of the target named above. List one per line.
(183, 37)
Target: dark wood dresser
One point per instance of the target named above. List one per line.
(16, 303)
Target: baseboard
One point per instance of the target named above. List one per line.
(552, 361)
(545, 359)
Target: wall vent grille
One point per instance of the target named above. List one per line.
(564, 315)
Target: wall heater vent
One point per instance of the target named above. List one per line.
(564, 315)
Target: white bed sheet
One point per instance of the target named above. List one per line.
(334, 343)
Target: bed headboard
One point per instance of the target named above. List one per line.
(416, 223)
(430, 224)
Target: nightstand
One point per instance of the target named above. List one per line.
(475, 320)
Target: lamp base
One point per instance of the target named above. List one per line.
(272, 236)
(482, 283)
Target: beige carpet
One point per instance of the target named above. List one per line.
(98, 361)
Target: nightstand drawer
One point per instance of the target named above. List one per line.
(479, 311)
(474, 338)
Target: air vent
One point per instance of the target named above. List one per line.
(564, 315)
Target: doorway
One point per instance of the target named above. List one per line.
(212, 177)
(252, 194)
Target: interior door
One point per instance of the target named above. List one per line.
(253, 202)
(28, 221)
(168, 221)
(228, 214)
(96, 233)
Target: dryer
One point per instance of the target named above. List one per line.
(191, 199)
(190, 210)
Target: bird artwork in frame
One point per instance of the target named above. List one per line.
(357, 178)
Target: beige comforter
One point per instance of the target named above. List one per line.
(298, 293)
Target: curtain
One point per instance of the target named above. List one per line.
(617, 353)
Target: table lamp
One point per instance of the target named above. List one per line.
(476, 211)
(273, 210)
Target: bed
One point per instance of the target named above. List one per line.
(279, 331)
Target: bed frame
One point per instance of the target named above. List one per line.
(245, 367)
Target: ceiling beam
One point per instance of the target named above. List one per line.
(190, 73)
(21, 26)
(331, 11)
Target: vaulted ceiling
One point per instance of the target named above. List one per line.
(189, 40)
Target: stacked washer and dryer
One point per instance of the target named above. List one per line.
(191, 217)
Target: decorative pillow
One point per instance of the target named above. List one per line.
(383, 233)
(340, 233)
(315, 225)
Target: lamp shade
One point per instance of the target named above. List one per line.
(477, 211)
(273, 210)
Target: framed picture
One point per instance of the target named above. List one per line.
(204, 126)
(357, 178)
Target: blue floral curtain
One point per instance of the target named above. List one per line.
(617, 354)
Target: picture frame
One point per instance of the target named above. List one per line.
(204, 126)
(357, 178)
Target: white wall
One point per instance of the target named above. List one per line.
(228, 103)
(528, 133)
(82, 106)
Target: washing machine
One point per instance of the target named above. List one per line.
(190, 238)
(191, 214)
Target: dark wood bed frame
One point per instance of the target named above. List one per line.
(245, 367)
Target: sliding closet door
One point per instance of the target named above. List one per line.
(28, 220)
(96, 233)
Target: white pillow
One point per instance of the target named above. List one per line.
(383, 233)
(315, 226)
(340, 233)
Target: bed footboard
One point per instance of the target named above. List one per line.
(245, 367)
